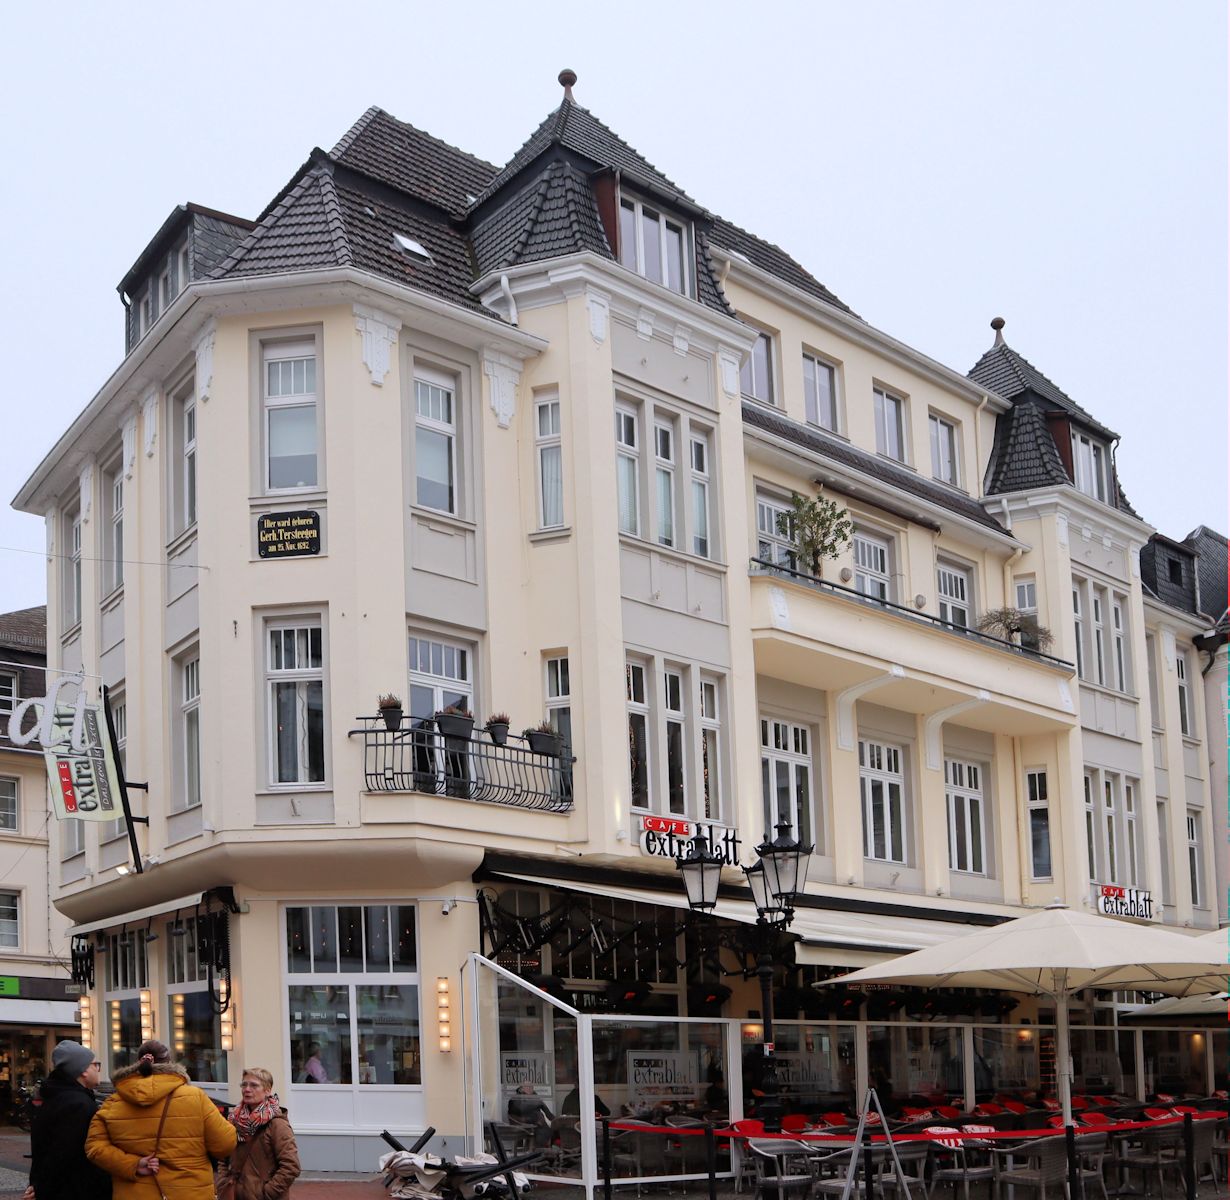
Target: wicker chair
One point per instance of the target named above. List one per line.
(1046, 1166)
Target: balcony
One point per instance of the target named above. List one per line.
(825, 636)
(414, 756)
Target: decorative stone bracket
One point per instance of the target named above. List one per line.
(846, 726)
(728, 361)
(129, 436)
(503, 375)
(379, 331)
(85, 484)
(149, 422)
(599, 314)
(204, 378)
(933, 727)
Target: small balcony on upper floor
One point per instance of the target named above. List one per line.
(826, 636)
(449, 757)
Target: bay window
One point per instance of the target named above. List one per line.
(664, 477)
(700, 496)
(627, 471)
(550, 465)
(1089, 461)
(435, 441)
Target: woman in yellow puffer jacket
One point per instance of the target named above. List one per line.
(123, 1132)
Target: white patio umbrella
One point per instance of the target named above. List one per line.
(1054, 953)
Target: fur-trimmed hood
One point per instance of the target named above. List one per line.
(149, 1089)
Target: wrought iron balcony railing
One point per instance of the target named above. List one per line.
(760, 566)
(414, 756)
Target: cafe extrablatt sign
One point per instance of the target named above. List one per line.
(1124, 902)
(669, 837)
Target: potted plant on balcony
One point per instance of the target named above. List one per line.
(543, 739)
(497, 728)
(818, 527)
(1019, 628)
(391, 710)
(455, 721)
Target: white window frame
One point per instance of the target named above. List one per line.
(549, 448)
(772, 546)
(72, 570)
(945, 450)
(303, 677)
(758, 364)
(1195, 865)
(1185, 700)
(300, 349)
(558, 693)
(10, 691)
(664, 442)
(1119, 634)
(699, 449)
(709, 707)
(1111, 841)
(968, 812)
(814, 365)
(633, 256)
(183, 267)
(188, 464)
(189, 673)
(1078, 624)
(1025, 588)
(882, 763)
(113, 485)
(436, 422)
(786, 755)
(628, 469)
(637, 684)
(1098, 597)
(890, 419)
(13, 783)
(10, 926)
(873, 565)
(1131, 831)
(1037, 799)
(675, 756)
(166, 286)
(1089, 466)
(955, 588)
(1091, 838)
(455, 676)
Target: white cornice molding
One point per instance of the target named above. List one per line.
(858, 331)
(85, 492)
(129, 440)
(203, 348)
(1078, 511)
(378, 330)
(149, 422)
(162, 351)
(1191, 623)
(503, 374)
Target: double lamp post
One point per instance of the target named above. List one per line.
(776, 877)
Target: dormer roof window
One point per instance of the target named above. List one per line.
(1089, 466)
(411, 248)
(654, 245)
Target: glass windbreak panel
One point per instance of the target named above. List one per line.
(1126, 1046)
(1220, 1039)
(388, 1032)
(196, 1037)
(815, 1067)
(1095, 1062)
(918, 1065)
(320, 1034)
(1014, 1060)
(1175, 1061)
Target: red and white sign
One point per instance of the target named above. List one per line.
(676, 825)
(1124, 902)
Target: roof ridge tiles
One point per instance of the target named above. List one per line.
(541, 187)
(347, 139)
(333, 213)
(360, 126)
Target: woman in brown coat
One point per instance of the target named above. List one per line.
(266, 1161)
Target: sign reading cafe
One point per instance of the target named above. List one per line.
(77, 750)
(1124, 902)
(669, 837)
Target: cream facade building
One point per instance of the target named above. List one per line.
(517, 439)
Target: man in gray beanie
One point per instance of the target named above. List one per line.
(59, 1169)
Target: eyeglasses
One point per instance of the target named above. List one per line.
(96, 1064)
(252, 1083)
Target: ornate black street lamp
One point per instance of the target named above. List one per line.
(775, 879)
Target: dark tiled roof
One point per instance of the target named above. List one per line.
(302, 231)
(1156, 559)
(1004, 371)
(554, 215)
(772, 259)
(213, 240)
(25, 629)
(1024, 454)
(414, 162)
(871, 465)
(578, 130)
(1211, 567)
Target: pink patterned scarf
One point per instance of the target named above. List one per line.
(250, 1121)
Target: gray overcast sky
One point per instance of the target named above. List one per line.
(1062, 165)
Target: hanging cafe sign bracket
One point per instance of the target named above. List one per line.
(82, 756)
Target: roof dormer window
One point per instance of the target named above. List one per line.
(1089, 460)
(653, 245)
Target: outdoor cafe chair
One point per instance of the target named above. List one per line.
(1090, 1155)
(1157, 1152)
(1045, 1167)
(794, 1123)
(958, 1161)
(784, 1168)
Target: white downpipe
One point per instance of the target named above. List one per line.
(1063, 1046)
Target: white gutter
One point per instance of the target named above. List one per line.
(201, 301)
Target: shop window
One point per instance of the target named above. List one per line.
(194, 1027)
(353, 995)
(127, 975)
